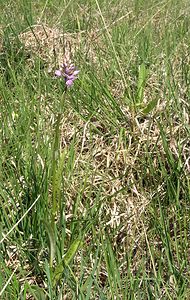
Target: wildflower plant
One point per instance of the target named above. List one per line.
(69, 73)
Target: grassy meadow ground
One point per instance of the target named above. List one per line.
(94, 181)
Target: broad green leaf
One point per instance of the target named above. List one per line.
(57, 180)
(150, 106)
(141, 82)
(51, 235)
(66, 260)
(36, 292)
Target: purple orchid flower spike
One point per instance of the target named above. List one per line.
(68, 72)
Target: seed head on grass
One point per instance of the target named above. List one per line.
(68, 72)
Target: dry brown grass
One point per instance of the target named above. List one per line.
(54, 46)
